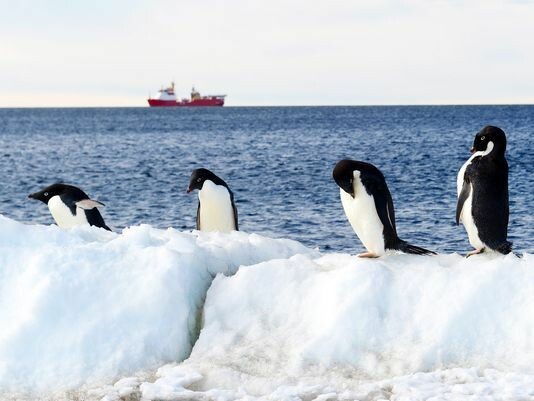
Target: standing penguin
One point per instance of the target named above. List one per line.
(70, 206)
(369, 208)
(482, 186)
(216, 208)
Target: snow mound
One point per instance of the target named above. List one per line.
(341, 319)
(86, 305)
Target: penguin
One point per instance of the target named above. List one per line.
(70, 206)
(216, 208)
(369, 208)
(482, 186)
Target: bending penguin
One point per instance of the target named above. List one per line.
(369, 208)
(482, 186)
(70, 206)
(216, 208)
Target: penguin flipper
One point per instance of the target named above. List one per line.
(464, 194)
(198, 216)
(384, 209)
(235, 216)
(88, 204)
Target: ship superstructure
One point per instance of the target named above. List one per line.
(167, 98)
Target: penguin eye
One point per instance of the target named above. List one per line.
(46, 194)
(199, 179)
(484, 137)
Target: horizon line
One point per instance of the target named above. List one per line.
(274, 106)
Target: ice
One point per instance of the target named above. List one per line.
(150, 314)
(172, 384)
(388, 316)
(418, 327)
(456, 384)
(335, 327)
(85, 305)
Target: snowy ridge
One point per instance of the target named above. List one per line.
(383, 317)
(115, 317)
(86, 305)
(341, 328)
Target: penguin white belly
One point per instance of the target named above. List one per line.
(362, 216)
(216, 212)
(63, 216)
(466, 217)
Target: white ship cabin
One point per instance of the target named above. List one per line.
(167, 93)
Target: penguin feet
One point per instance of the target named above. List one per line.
(367, 255)
(475, 252)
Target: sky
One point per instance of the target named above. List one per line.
(275, 52)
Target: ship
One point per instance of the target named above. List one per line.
(167, 98)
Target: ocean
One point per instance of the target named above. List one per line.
(277, 160)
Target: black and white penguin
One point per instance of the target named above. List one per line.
(216, 208)
(369, 208)
(482, 186)
(70, 206)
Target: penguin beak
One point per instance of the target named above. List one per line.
(472, 150)
(32, 196)
(188, 189)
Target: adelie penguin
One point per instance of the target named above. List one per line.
(482, 186)
(369, 208)
(216, 208)
(70, 206)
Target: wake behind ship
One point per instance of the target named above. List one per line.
(167, 98)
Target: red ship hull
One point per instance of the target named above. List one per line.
(208, 101)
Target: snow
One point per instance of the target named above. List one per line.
(89, 314)
(420, 312)
(458, 384)
(418, 327)
(86, 305)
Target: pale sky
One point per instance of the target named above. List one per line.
(275, 52)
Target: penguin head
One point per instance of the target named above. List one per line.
(343, 175)
(490, 140)
(199, 176)
(49, 192)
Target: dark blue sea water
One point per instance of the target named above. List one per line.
(277, 160)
